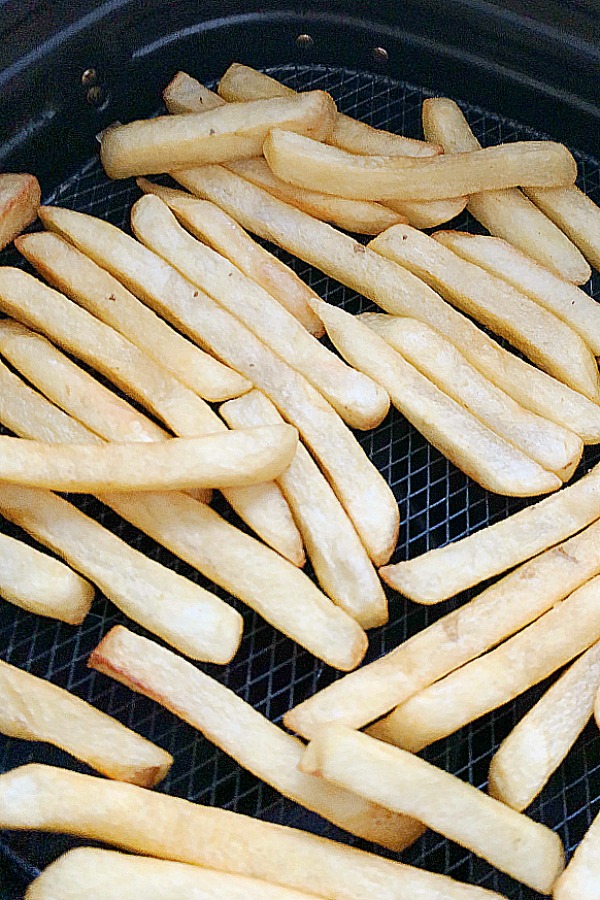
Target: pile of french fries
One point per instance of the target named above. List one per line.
(218, 381)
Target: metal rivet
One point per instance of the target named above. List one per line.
(305, 42)
(89, 77)
(380, 55)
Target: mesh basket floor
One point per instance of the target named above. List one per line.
(437, 504)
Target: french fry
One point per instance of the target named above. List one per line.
(358, 400)
(106, 875)
(529, 852)
(230, 459)
(579, 881)
(340, 561)
(359, 216)
(453, 640)
(37, 710)
(232, 559)
(500, 258)
(233, 131)
(488, 682)
(214, 227)
(42, 585)
(91, 287)
(19, 202)
(553, 447)
(508, 214)
(184, 94)
(50, 799)
(445, 571)
(395, 290)
(311, 164)
(182, 613)
(428, 213)
(241, 83)
(243, 733)
(451, 428)
(575, 213)
(538, 333)
(538, 743)
(360, 488)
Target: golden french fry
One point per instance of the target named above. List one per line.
(311, 164)
(182, 613)
(395, 290)
(445, 571)
(538, 743)
(214, 227)
(453, 640)
(580, 879)
(500, 258)
(72, 273)
(106, 875)
(488, 682)
(19, 202)
(362, 491)
(553, 447)
(241, 83)
(35, 710)
(575, 213)
(359, 216)
(243, 733)
(513, 843)
(463, 439)
(233, 131)
(428, 213)
(41, 584)
(184, 94)
(340, 561)
(358, 400)
(507, 214)
(46, 798)
(538, 333)
(232, 458)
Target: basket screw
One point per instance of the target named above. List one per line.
(305, 42)
(89, 77)
(380, 55)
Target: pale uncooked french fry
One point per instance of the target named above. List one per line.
(34, 709)
(241, 83)
(553, 447)
(232, 559)
(445, 571)
(488, 682)
(580, 879)
(358, 400)
(340, 561)
(50, 799)
(428, 213)
(453, 640)
(526, 850)
(395, 290)
(308, 163)
(213, 226)
(233, 131)
(360, 216)
(19, 203)
(500, 258)
(72, 273)
(106, 875)
(41, 584)
(484, 456)
(362, 491)
(230, 459)
(538, 743)
(508, 213)
(575, 213)
(242, 732)
(182, 613)
(538, 333)
(184, 94)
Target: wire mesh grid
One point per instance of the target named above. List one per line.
(437, 504)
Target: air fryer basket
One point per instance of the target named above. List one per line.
(437, 504)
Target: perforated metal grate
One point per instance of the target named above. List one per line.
(437, 504)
